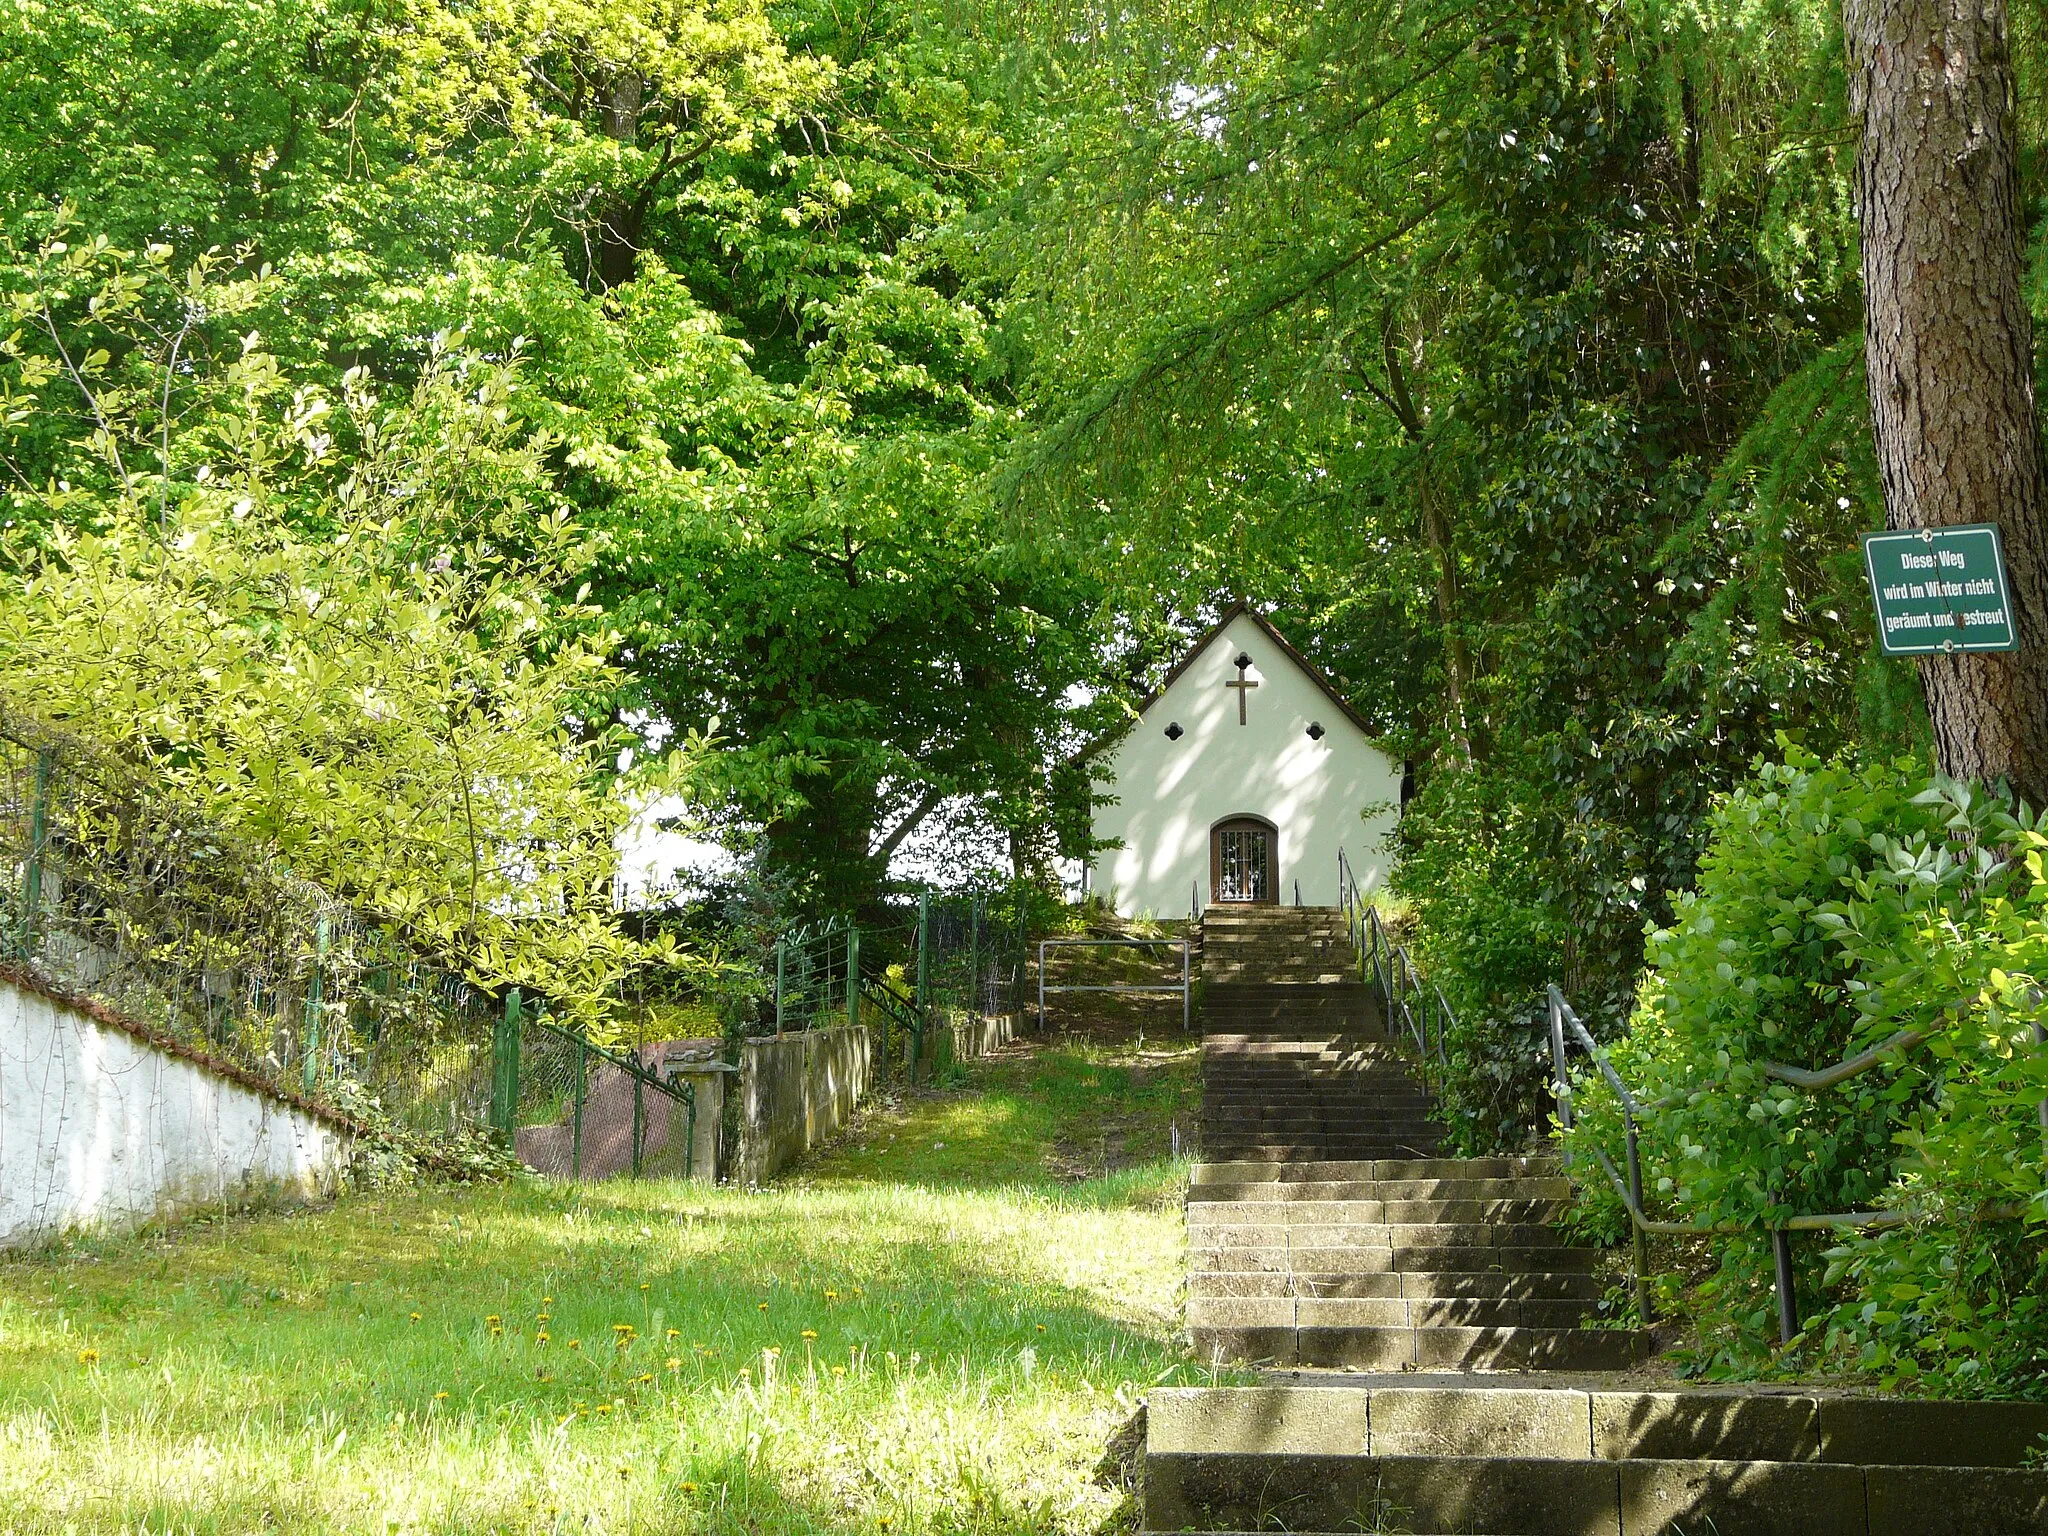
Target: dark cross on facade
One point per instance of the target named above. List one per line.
(1244, 662)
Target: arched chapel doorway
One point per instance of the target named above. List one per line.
(1244, 861)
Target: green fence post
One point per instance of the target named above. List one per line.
(576, 1141)
(924, 937)
(690, 1135)
(638, 1121)
(505, 1067)
(780, 953)
(974, 960)
(32, 874)
(852, 976)
(924, 944)
(315, 999)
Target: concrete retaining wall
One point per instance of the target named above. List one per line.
(983, 1034)
(102, 1125)
(795, 1091)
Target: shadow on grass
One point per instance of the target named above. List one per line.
(476, 1357)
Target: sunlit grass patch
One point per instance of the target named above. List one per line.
(875, 1350)
(1043, 1115)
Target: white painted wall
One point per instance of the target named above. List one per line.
(1170, 793)
(101, 1129)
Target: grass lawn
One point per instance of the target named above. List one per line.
(933, 1327)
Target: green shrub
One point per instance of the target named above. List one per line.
(1837, 906)
(1505, 902)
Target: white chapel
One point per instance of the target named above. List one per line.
(1240, 781)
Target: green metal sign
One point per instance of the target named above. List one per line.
(1941, 589)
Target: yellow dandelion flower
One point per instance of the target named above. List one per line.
(604, 1407)
(675, 1333)
(415, 1316)
(831, 1295)
(541, 1337)
(1041, 1327)
(575, 1343)
(547, 1301)
(440, 1397)
(623, 1328)
(838, 1370)
(497, 1333)
(644, 1377)
(88, 1357)
(624, 1470)
(810, 1333)
(645, 1285)
(763, 1307)
(494, 1319)
(674, 1363)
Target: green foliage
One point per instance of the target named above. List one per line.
(326, 621)
(1509, 354)
(1838, 906)
(714, 236)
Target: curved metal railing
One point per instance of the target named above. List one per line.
(1566, 1029)
(1413, 1007)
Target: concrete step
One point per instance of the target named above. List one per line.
(1388, 1312)
(1435, 1347)
(1279, 1128)
(1459, 1168)
(1376, 1234)
(1502, 1496)
(1335, 1117)
(1514, 1460)
(1299, 1213)
(1448, 1190)
(1294, 1153)
(1302, 1258)
(1424, 1284)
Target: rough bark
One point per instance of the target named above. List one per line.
(619, 239)
(1950, 346)
(1399, 397)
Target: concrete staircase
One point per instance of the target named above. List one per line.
(1324, 1233)
(1408, 1454)
(1390, 1265)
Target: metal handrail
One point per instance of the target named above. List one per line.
(1184, 986)
(1386, 963)
(903, 1013)
(1564, 1021)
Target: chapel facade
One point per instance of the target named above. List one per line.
(1242, 778)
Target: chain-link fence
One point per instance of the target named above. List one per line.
(582, 1112)
(920, 969)
(974, 955)
(109, 892)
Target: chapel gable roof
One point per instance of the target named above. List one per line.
(1241, 608)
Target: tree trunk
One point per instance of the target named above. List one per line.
(1436, 532)
(1950, 347)
(618, 247)
(1399, 397)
